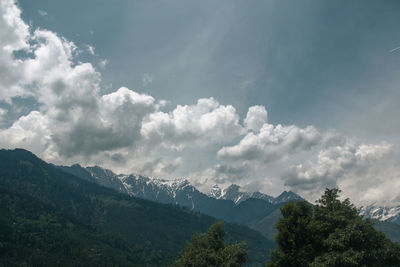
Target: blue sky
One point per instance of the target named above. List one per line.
(321, 76)
(306, 61)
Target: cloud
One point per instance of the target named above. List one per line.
(349, 167)
(71, 120)
(76, 117)
(90, 49)
(42, 13)
(78, 120)
(103, 63)
(394, 49)
(2, 113)
(160, 167)
(271, 143)
(204, 123)
(227, 174)
(147, 79)
(29, 131)
(14, 36)
(256, 117)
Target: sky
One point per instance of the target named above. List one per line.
(271, 95)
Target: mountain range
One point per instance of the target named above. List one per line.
(50, 216)
(382, 213)
(90, 215)
(230, 204)
(254, 209)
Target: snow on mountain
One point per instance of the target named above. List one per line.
(265, 197)
(230, 204)
(165, 191)
(287, 196)
(382, 213)
(178, 191)
(234, 193)
(106, 178)
(215, 192)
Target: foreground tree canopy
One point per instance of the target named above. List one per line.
(210, 249)
(331, 233)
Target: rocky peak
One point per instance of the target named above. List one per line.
(215, 192)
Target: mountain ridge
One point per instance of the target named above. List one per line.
(232, 192)
(382, 213)
(146, 233)
(219, 203)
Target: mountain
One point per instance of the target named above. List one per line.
(287, 196)
(382, 213)
(391, 230)
(385, 218)
(215, 192)
(179, 191)
(96, 175)
(234, 193)
(253, 209)
(231, 204)
(266, 225)
(52, 216)
(250, 211)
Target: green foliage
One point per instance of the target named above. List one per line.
(35, 234)
(210, 249)
(331, 233)
(294, 235)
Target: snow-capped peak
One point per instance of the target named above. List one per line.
(382, 213)
(234, 193)
(287, 196)
(215, 192)
(174, 184)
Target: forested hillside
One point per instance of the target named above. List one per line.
(49, 212)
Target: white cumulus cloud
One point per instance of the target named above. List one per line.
(272, 143)
(356, 169)
(205, 122)
(256, 117)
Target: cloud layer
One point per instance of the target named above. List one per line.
(208, 142)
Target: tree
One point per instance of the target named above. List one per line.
(331, 233)
(210, 249)
(294, 239)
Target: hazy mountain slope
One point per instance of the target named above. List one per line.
(256, 210)
(178, 192)
(250, 211)
(386, 218)
(224, 204)
(154, 232)
(391, 230)
(266, 225)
